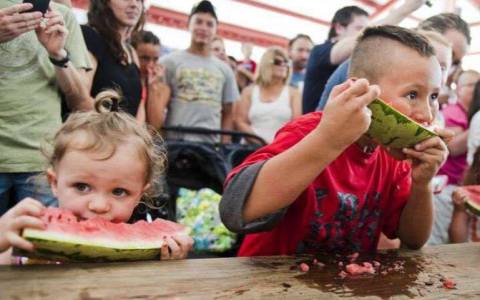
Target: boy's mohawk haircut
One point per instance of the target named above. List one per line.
(371, 54)
(406, 37)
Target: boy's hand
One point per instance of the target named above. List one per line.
(176, 247)
(459, 197)
(427, 157)
(25, 214)
(346, 116)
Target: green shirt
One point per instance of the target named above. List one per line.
(29, 96)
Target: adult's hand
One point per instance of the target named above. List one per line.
(14, 21)
(53, 35)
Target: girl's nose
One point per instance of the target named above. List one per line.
(99, 204)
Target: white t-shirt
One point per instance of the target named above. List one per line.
(473, 137)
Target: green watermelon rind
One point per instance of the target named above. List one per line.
(473, 206)
(62, 247)
(391, 128)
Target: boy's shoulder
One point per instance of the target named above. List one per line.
(304, 124)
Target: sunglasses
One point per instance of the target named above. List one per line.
(280, 62)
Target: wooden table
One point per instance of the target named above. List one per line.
(250, 278)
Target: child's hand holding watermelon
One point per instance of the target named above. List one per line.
(23, 215)
(459, 197)
(348, 105)
(427, 157)
(98, 183)
(176, 247)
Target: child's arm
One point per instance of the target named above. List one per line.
(283, 177)
(417, 216)
(458, 230)
(24, 214)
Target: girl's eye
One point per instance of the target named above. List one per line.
(434, 97)
(412, 95)
(119, 192)
(82, 187)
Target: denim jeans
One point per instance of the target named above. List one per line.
(15, 187)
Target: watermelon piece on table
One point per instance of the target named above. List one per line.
(473, 199)
(391, 128)
(68, 239)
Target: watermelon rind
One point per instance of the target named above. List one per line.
(473, 206)
(64, 247)
(393, 129)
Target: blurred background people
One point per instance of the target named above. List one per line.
(115, 63)
(299, 51)
(269, 103)
(36, 64)
(218, 49)
(154, 90)
(203, 87)
(473, 140)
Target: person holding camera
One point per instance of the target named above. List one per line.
(41, 52)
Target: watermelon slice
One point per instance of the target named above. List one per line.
(68, 239)
(473, 198)
(391, 128)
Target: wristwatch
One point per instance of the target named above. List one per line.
(62, 62)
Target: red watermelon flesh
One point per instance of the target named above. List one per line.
(473, 198)
(97, 239)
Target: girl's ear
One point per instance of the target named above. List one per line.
(52, 180)
(146, 188)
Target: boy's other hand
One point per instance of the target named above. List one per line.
(346, 116)
(26, 214)
(427, 158)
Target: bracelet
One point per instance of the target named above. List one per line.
(62, 62)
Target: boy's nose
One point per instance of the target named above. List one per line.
(99, 205)
(423, 114)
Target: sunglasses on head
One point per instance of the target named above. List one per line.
(280, 62)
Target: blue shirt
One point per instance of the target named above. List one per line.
(338, 77)
(296, 78)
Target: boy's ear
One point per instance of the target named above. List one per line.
(52, 180)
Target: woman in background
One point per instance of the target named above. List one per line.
(115, 63)
(270, 103)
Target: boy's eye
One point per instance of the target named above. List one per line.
(119, 192)
(82, 187)
(412, 95)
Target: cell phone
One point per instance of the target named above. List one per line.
(38, 5)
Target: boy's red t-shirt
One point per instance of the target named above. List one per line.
(355, 198)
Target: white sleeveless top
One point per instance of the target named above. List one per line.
(268, 117)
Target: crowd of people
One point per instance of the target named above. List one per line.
(319, 184)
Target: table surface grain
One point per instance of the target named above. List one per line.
(276, 277)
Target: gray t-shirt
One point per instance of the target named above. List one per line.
(199, 85)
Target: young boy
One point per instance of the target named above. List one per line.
(322, 184)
